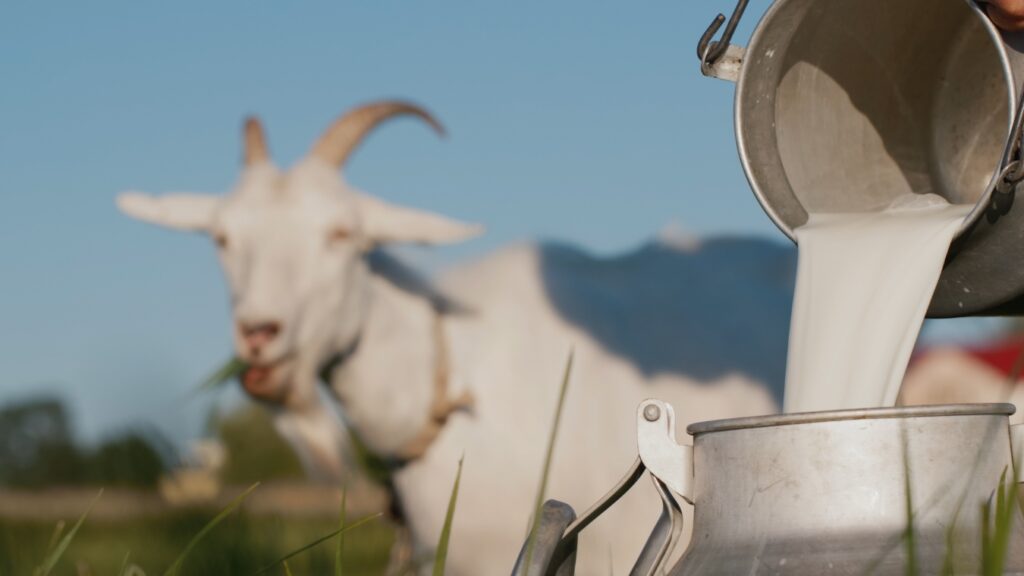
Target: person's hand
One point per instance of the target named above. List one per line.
(1006, 14)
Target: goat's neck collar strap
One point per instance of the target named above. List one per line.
(337, 360)
(442, 406)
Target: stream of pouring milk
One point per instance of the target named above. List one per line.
(864, 282)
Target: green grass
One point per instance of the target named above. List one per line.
(227, 372)
(175, 568)
(339, 549)
(241, 545)
(441, 554)
(997, 527)
(548, 458)
(335, 534)
(54, 553)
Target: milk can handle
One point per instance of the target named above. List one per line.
(1011, 167)
(553, 551)
(710, 52)
(554, 538)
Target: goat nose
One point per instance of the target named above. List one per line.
(256, 335)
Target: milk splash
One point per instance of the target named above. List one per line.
(864, 282)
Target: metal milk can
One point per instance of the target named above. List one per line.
(877, 491)
(841, 105)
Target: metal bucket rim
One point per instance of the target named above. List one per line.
(775, 420)
(999, 43)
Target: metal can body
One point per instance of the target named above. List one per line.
(842, 105)
(831, 492)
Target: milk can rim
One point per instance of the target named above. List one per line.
(994, 409)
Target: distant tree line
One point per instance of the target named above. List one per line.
(38, 449)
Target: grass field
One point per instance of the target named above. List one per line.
(242, 544)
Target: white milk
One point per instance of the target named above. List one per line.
(864, 282)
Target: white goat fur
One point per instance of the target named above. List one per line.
(294, 253)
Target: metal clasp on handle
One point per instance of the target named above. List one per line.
(1011, 172)
(711, 52)
(668, 461)
(671, 469)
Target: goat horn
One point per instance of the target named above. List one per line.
(255, 143)
(337, 144)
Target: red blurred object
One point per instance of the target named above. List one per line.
(1001, 355)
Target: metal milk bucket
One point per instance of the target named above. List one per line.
(816, 493)
(841, 105)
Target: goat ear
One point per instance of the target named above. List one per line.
(178, 211)
(385, 223)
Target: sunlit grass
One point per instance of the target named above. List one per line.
(441, 554)
(546, 471)
(227, 372)
(55, 552)
(339, 549)
(329, 536)
(175, 567)
(241, 544)
(997, 525)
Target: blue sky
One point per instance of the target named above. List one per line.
(575, 120)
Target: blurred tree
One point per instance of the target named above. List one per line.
(133, 458)
(37, 449)
(36, 446)
(255, 451)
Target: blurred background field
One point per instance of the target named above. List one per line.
(155, 500)
(242, 544)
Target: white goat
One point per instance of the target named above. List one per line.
(426, 374)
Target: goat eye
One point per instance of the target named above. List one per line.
(221, 240)
(338, 235)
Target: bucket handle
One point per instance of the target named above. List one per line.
(710, 52)
(1011, 168)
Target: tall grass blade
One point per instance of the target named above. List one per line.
(175, 568)
(58, 529)
(374, 467)
(338, 570)
(949, 562)
(287, 569)
(124, 564)
(986, 539)
(228, 371)
(54, 555)
(441, 555)
(997, 526)
(909, 537)
(317, 542)
(546, 472)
